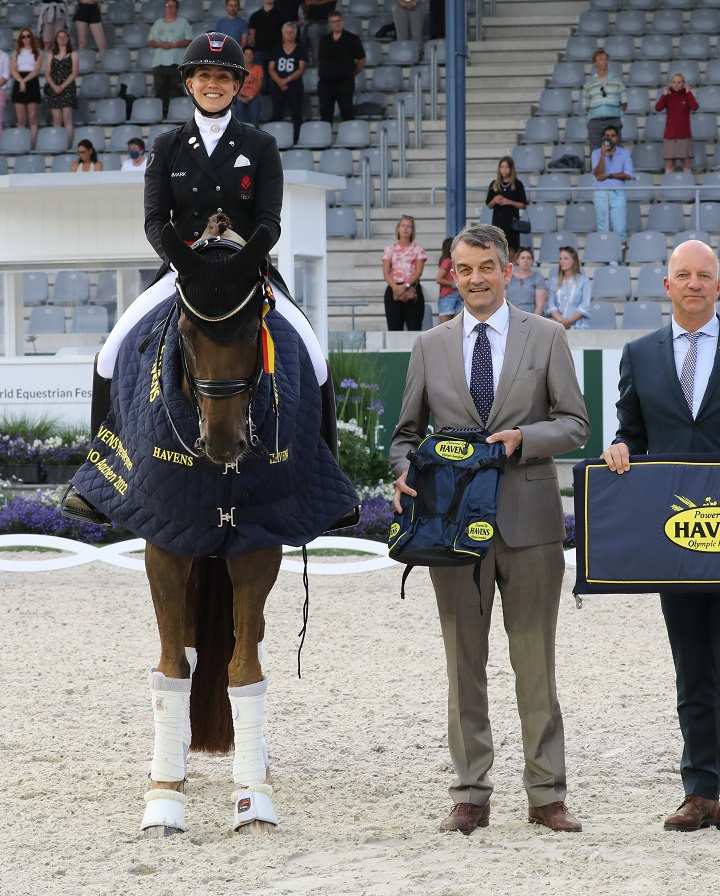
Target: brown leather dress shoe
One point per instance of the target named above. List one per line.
(555, 816)
(693, 813)
(465, 817)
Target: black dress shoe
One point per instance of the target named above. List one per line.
(74, 505)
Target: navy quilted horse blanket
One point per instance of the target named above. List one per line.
(139, 475)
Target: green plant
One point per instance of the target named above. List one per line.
(29, 427)
(363, 464)
(354, 366)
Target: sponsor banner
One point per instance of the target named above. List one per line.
(36, 387)
(654, 528)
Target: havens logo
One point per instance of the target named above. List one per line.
(480, 531)
(695, 527)
(394, 530)
(452, 449)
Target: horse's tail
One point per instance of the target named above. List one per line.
(211, 719)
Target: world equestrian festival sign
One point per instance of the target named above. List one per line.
(654, 528)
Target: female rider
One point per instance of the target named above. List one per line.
(211, 164)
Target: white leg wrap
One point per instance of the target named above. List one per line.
(261, 660)
(164, 808)
(253, 797)
(171, 711)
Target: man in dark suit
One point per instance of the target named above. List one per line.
(670, 403)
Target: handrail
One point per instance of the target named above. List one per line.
(384, 173)
(401, 124)
(419, 110)
(434, 82)
(366, 194)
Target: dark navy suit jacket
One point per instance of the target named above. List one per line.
(653, 415)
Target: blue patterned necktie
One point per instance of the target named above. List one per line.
(687, 373)
(481, 375)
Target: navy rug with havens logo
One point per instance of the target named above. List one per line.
(139, 475)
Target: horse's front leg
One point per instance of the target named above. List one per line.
(253, 576)
(170, 684)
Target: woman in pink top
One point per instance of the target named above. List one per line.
(403, 264)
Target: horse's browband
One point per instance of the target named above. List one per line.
(221, 317)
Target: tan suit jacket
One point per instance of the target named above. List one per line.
(537, 392)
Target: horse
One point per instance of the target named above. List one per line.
(214, 343)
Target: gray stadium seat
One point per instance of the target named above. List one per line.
(610, 5)
(709, 100)
(633, 217)
(712, 72)
(51, 141)
(711, 179)
(62, 164)
(567, 149)
(136, 35)
(543, 218)
(147, 110)
(642, 316)
(336, 161)
(353, 134)
(46, 320)
(639, 190)
(704, 21)
(611, 282)
(148, 12)
(373, 52)
(568, 74)
(387, 78)
(677, 4)
(18, 16)
(298, 160)
(106, 291)
(71, 288)
(677, 179)
(144, 59)
(690, 235)
(341, 222)
(424, 72)
(667, 21)
(646, 246)
(282, 131)
(551, 244)
(528, 158)
(575, 129)
(3, 165)
(644, 73)
(654, 127)
(656, 46)
(630, 21)
(603, 248)
(154, 132)
(120, 136)
(594, 21)
(630, 129)
(620, 47)
(650, 282)
(116, 60)
(689, 68)
(441, 46)
(193, 10)
(709, 216)
(95, 86)
(111, 161)
(555, 101)
(29, 165)
(704, 125)
(94, 133)
(648, 157)
(638, 100)
(558, 185)
(180, 109)
(667, 217)
(89, 319)
(694, 46)
(391, 129)
(541, 129)
(374, 155)
(87, 59)
(602, 316)
(15, 141)
(402, 52)
(580, 47)
(580, 217)
(314, 135)
(135, 83)
(352, 193)
(110, 111)
(310, 80)
(34, 288)
(121, 12)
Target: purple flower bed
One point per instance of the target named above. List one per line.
(26, 515)
(569, 530)
(375, 518)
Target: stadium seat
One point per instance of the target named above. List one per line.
(136, 35)
(712, 180)
(575, 129)
(341, 222)
(424, 72)
(440, 47)
(712, 71)
(642, 316)
(640, 189)
(568, 74)
(95, 86)
(155, 130)
(18, 15)
(282, 131)
(314, 135)
(106, 291)
(650, 282)
(402, 52)
(676, 4)
(51, 141)
(87, 59)
(364, 8)
(298, 160)
(633, 217)
(709, 100)
(644, 73)
(71, 288)
(89, 319)
(147, 110)
(667, 21)
(594, 21)
(93, 133)
(180, 109)
(528, 159)
(62, 164)
(646, 246)
(610, 5)
(638, 100)
(709, 217)
(558, 186)
(620, 47)
(693, 46)
(690, 235)
(580, 47)
(552, 243)
(580, 217)
(602, 316)
(110, 111)
(121, 12)
(46, 319)
(121, 134)
(704, 21)
(567, 149)
(373, 53)
(630, 21)
(667, 217)
(193, 10)
(34, 288)
(352, 192)
(111, 161)
(374, 155)
(630, 130)
(135, 83)
(654, 127)
(148, 12)
(29, 165)
(336, 161)
(144, 59)
(116, 60)
(353, 134)
(555, 101)
(689, 68)
(603, 248)
(387, 78)
(14, 141)
(677, 179)
(391, 129)
(541, 129)
(611, 282)
(543, 218)
(648, 157)
(656, 46)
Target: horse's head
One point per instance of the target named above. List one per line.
(221, 293)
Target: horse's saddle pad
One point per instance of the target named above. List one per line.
(141, 477)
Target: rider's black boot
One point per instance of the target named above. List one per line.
(72, 503)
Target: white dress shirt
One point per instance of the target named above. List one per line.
(706, 350)
(497, 328)
(211, 129)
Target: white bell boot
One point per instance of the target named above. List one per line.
(252, 798)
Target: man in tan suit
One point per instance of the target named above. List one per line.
(511, 372)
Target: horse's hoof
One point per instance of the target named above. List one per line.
(157, 832)
(257, 828)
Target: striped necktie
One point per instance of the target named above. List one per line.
(481, 375)
(687, 373)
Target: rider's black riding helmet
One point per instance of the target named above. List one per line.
(217, 49)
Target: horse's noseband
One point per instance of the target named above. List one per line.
(215, 389)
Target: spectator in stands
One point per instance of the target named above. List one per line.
(61, 71)
(409, 18)
(51, 19)
(265, 32)
(87, 159)
(247, 105)
(87, 14)
(137, 160)
(604, 100)
(316, 16)
(449, 301)
(286, 69)
(342, 57)
(403, 263)
(168, 37)
(569, 302)
(233, 23)
(612, 165)
(4, 84)
(506, 197)
(527, 289)
(678, 101)
(25, 65)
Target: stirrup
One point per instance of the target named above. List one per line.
(75, 506)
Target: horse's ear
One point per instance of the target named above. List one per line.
(254, 251)
(181, 256)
